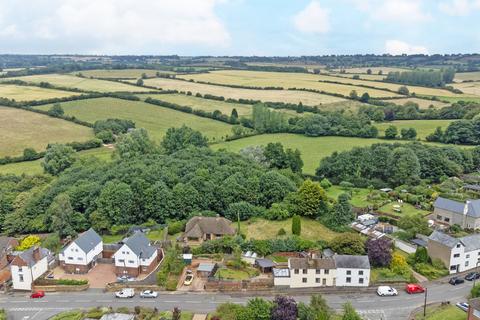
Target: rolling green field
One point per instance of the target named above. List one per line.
(362, 76)
(375, 70)
(289, 80)
(469, 88)
(423, 127)
(467, 76)
(202, 104)
(422, 103)
(35, 167)
(20, 129)
(28, 93)
(313, 149)
(153, 118)
(71, 81)
(120, 73)
(307, 98)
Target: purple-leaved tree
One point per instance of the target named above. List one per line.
(284, 308)
(379, 251)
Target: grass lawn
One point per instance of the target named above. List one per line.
(307, 98)
(359, 195)
(35, 167)
(442, 313)
(71, 81)
(261, 229)
(30, 93)
(156, 235)
(233, 274)
(155, 119)
(422, 103)
(313, 149)
(120, 73)
(20, 129)
(202, 104)
(112, 238)
(423, 127)
(407, 209)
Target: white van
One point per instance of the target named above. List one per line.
(386, 291)
(125, 293)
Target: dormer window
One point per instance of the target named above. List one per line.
(458, 245)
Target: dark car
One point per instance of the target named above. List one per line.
(472, 276)
(455, 280)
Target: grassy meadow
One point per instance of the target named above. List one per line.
(422, 103)
(287, 80)
(22, 129)
(153, 118)
(362, 76)
(35, 167)
(469, 88)
(313, 149)
(30, 93)
(375, 70)
(120, 73)
(202, 104)
(467, 76)
(287, 96)
(71, 81)
(423, 127)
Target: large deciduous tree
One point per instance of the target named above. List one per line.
(379, 251)
(58, 157)
(284, 308)
(179, 138)
(348, 243)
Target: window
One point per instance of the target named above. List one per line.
(131, 261)
(304, 280)
(297, 271)
(453, 267)
(304, 271)
(360, 273)
(79, 258)
(456, 255)
(20, 278)
(121, 260)
(20, 269)
(360, 280)
(349, 280)
(324, 282)
(70, 258)
(349, 272)
(468, 256)
(123, 252)
(326, 271)
(317, 271)
(458, 245)
(446, 219)
(439, 217)
(466, 263)
(317, 280)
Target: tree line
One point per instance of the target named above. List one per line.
(427, 78)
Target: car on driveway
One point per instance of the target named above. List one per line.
(188, 278)
(125, 293)
(462, 305)
(148, 294)
(412, 288)
(386, 291)
(125, 279)
(37, 294)
(472, 276)
(456, 280)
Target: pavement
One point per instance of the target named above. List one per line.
(372, 307)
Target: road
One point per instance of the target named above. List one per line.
(21, 307)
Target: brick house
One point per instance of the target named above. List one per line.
(81, 255)
(136, 256)
(200, 229)
(450, 212)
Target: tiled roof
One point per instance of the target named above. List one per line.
(307, 263)
(140, 245)
(198, 226)
(353, 262)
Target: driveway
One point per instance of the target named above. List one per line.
(97, 277)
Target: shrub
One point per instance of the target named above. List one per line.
(325, 183)
(296, 225)
(28, 242)
(176, 227)
(281, 232)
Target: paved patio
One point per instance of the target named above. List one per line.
(97, 277)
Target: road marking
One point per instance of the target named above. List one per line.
(36, 314)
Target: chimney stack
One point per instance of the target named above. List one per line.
(36, 254)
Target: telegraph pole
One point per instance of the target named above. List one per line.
(425, 304)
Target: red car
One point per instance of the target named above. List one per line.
(37, 294)
(414, 288)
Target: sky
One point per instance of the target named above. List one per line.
(239, 27)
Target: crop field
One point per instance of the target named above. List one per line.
(375, 70)
(155, 119)
(288, 80)
(35, 167)
(469, 88)
(362, 76)
(467, 76)
(313, 149)
(30, 93)
(287, 96)
(202, 104)
(72, 81)
(20, 129)
(422, 103)
(423, 127)
(121, 73)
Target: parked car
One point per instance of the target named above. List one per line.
(188, 278)
(125, 279)
(386, 291)
(37, 294)
(125, 293)
(148, 294)
(50, 276)
(412, 288)
(456, 280)
(472, 276)
(462, 305)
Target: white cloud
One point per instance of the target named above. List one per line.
(312, 19)
(397, 47)
(118, 24)
(459, 7)
(401, 11)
